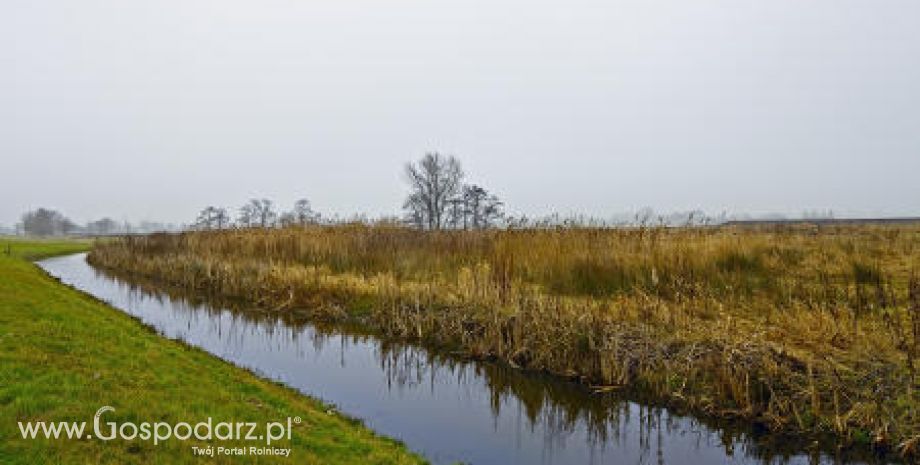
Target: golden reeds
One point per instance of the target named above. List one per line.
(799, 328)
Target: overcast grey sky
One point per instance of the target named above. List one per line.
(154, 109)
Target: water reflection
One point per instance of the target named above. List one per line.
(447, 408)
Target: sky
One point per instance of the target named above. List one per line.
(151, 110)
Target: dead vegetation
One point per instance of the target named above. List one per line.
(799, 328)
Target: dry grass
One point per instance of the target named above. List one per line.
(800, 328)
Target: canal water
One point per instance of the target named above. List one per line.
(448, 409)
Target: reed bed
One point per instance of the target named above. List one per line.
(805, 329)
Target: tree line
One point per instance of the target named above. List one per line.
(438, 199)
(50, 222)
(257, 213)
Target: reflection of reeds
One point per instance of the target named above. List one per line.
(559, 407)
(801, 329)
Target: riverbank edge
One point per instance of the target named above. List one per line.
(325, 428)
(640, 389)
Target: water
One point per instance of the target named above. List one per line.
(449, 410)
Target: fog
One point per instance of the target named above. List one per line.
(152, 110)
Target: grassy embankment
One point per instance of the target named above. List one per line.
(808, 330)
(63, 355)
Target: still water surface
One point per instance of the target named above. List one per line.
(449, 410)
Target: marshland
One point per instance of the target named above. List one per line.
(682, 232)
(808, 329)
(802, 333)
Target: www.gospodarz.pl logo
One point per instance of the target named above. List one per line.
(158, 432)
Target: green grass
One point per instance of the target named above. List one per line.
(63, 355)
(35, 249)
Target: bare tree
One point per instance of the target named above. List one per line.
(258, 212)
(457, 213)
(266, 213)
(484, 208)
(213, 218)
(247, 216)
(434, 180)
(416, 211)
(302, 214)
(474, 208)
(46, 222)
(221, 218)
(204, 220)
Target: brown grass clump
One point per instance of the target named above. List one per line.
(808, 329)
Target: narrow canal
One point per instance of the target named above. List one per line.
(448, 409)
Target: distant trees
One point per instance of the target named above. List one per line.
(264, 212)
(439, 199)
(300, 215)
(46, 222)
(258, 212)
(213, 218)
(102, 226)
(246, 216)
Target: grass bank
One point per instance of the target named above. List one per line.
(63, 355)
(813, 330)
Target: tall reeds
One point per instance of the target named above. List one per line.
(801, 328)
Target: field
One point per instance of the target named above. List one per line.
(63, 355)
(805, 329)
